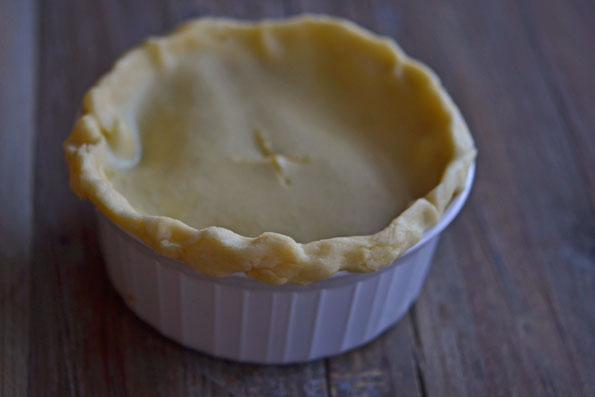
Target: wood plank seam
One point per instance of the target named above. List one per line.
(418, 353)
(327, 377)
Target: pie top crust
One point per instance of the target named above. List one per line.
(288, 150)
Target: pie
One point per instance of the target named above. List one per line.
(288, 150)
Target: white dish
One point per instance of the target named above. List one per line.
(242, 319)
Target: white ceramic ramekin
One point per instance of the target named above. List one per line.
(241, 319)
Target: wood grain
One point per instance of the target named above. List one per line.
(17, 115)
(508, 307)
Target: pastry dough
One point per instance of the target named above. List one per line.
(288, 150)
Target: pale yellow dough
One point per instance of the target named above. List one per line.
(288, 150)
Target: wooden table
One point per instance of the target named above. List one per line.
(509, 306)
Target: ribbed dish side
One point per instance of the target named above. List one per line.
(237, 319)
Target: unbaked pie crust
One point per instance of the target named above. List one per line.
(288, 150)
